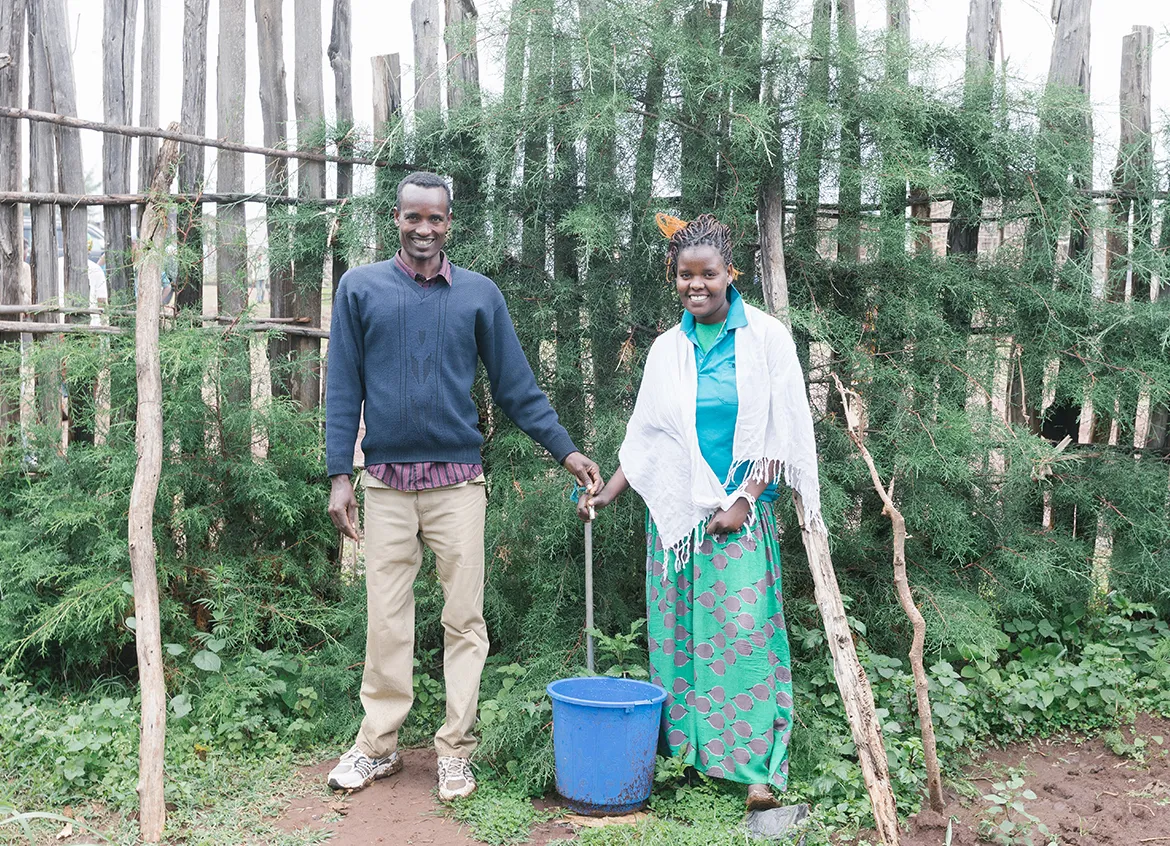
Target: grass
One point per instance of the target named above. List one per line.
(496, 817)
(234, 800)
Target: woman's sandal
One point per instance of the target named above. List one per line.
(760, 798)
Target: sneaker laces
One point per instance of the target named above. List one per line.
(452, 769)
(362, 763)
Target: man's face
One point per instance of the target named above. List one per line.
(423, 221)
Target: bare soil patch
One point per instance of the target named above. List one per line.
(1086, 794)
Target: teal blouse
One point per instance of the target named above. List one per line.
(718, 396)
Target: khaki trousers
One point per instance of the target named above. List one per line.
(451, 522)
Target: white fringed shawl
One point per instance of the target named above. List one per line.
(773, 431)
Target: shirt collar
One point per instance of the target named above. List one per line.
(736, 317)
(444, 268)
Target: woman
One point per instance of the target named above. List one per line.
(721, 412)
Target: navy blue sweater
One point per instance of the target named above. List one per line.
(409, 353)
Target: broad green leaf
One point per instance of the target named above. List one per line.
(208, 661)
(181, 705)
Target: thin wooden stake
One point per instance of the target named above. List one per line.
(905, 597)
(148, 442)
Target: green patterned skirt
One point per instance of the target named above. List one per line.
(719, 648)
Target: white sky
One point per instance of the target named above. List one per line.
(383, 26)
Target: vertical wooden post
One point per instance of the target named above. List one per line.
(468, 171)
(148, 114)
(599, 74)
(43, 257)
(231, 237)
(339, 52)
(274, 116)
(148, 435)
(531, 198)
(567, 393)
(309, 96)
(11, 218)
(982, 26)
(647, 291)
(898, 70)
(387, 110)
(849, 192)
(893, 183)
(1068, 70)
(55, 29)
(118, 30)
(519, 22)
(387, 94)
(742, 48)
(702, 107)
(194, 120)
(812, 133)
(459, 37)
(1133, 175)
(428, 79)
(770, 216)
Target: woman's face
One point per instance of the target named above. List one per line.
(702, 280)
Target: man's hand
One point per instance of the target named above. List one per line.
(343, 507)
(732, 520)
(586, 471)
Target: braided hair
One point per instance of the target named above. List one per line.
(704, 230)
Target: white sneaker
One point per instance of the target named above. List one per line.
(356, 769)
(456, 781)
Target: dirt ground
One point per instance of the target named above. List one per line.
(400, 810)
(1086, 794)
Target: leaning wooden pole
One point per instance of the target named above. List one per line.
(148, 440)
(905, 597)
(852, 682)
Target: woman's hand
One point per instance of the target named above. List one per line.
(613, 488)
(586, 502)
(726, 521)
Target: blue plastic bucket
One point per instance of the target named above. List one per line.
(605, 733)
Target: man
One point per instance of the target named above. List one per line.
(405, 338)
